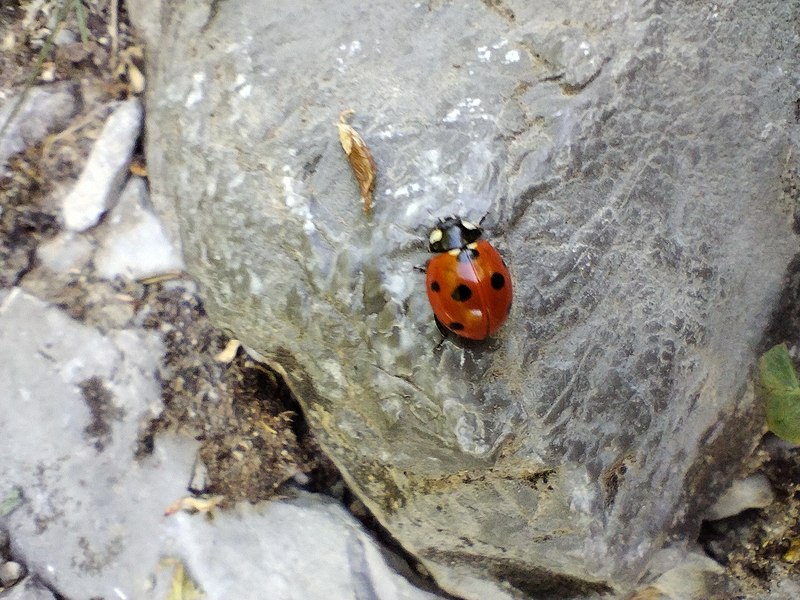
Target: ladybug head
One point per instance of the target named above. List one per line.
(453, 233)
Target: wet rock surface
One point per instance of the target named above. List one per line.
(99, 334)
(627, 158)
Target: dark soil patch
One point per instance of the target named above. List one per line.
(253, 437)
(761, 547)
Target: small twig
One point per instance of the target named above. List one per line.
(113, 27)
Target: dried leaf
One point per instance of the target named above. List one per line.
(360, 158)
(129, 70)
(182, 587)
(229, 352)
(194, 504)
(162, 277)
(138, 168)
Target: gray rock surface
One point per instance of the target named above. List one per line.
(628, 159)
(79, 397)
(133, 244)
(306, 548)
(100, 181)
(65, 252)
(90, 518)
(46, 109)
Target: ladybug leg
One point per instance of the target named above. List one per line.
(421, 269)
(445, 334)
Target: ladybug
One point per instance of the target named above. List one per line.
(468, 283)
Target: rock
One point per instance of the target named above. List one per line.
(46, 109)
(87, 495)
(28, 589)
(571, 52)
(306, 547)
(10, 573)
(65, 37)
(133, 243)
(688, 576)
(198, 484)
(631, 190)
(752, 492)
(91, 519)
(106, 168)
(67, 251)
(4, 545)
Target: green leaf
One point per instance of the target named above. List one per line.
(777, 370)
(783, 415)
(10, 501)
(781, 392)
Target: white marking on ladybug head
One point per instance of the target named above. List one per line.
(454, 251)
(472, 246)
(469, 225)
(436, 236)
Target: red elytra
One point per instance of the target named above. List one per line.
(468, 283)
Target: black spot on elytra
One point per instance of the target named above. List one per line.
(456, 326)
(435, 286)
(498, 281)
(462, 293)
(468, 254)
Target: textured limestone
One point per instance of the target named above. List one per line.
(628, 159)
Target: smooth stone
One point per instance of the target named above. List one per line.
(752, 492)
(688, 576)
(106, 168)
(29, 588)
(133, 243)
(305, 548)
(10, 573)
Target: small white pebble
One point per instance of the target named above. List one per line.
(752, 492)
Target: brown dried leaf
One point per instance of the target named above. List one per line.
(194, 504)
(181, 586)
(360, 158)
(138, 168)
(128, 70)
(229, 352)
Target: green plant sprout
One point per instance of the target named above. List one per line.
(781, 391)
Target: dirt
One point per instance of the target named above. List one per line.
(762, 546)
(253, 437)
